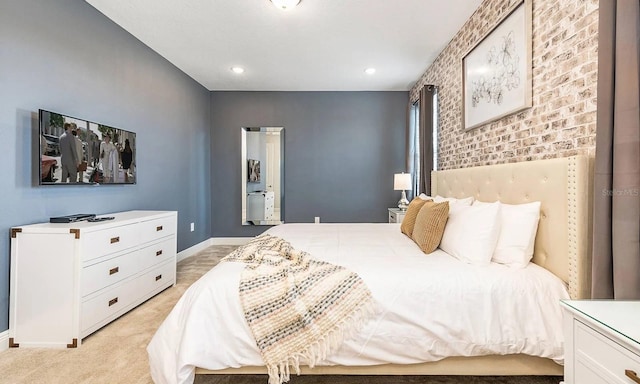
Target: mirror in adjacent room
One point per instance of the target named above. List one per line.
(262, 175)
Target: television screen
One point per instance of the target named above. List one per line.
(254, 171)
(76, 151)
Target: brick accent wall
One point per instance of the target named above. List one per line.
(562, 120)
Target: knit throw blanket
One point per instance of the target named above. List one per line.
(297, 308)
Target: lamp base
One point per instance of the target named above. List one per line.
(403, 203)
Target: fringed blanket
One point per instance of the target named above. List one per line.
(297, 307)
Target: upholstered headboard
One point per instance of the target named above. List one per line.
(563, 186)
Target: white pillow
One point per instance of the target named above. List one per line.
(440, 199)
(472, 233)
(519, 224)
(425, 197)
(454, 203)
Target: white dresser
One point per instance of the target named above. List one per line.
(260, 206)
(68, 280)
(602, 341)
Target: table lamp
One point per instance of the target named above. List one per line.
(402, 182)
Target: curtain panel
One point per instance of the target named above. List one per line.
(616, 207)
(426, 138)
(410, 149)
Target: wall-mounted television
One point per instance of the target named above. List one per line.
(78, 151)
(253, 171)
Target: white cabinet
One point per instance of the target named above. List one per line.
(602, 341)
(260, 206)
(396, 215)
(68, 280)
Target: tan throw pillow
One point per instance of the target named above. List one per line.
(429, 225)
(410, 216)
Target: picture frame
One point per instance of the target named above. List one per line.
(253, 168)
(496, 72)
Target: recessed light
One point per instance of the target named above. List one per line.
(237, 69)
(370, 71)
(285, 5)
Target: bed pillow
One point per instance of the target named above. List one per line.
(519, 224)
(424, 196)
(454, 203)
(410, 216)
(472, 233)
(430, 224)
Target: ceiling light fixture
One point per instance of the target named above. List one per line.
(370, 71)
(285, 5)
(237, 69)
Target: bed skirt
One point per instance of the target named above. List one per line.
(493, 365)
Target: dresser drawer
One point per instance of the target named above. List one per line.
(108, 272)
(158, 278)
(158, 228)
(108, 303)
(600, 359)
(396, 216)
(158, 253)
(107, 241)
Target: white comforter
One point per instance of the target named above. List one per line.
(431, 306)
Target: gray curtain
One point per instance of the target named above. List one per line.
(410, 148)
(616, 214)
(426, 138)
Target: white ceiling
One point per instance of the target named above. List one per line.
(321, 45)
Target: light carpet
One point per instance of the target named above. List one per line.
(117, 354)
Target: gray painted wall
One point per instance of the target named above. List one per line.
(341, 151)
(65, 56)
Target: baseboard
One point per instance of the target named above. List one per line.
(4, 340)
(192, 251)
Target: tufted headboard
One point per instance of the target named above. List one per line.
(562, 185)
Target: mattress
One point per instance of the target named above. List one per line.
(428, 307)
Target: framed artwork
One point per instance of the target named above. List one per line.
(254, 171)
(496, 73)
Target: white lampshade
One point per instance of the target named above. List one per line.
(285, 4)
(402, 182)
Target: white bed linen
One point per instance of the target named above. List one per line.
(430, 307)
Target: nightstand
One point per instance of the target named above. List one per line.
(602, 341)
(396, 215)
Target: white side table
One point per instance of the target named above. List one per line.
(602, 341)
(396, 215)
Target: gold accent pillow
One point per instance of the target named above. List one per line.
(429, 225)
(410, 216)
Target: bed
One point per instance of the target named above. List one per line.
(218, 343)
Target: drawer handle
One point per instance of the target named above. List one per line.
(114, 270)
(158, 277)
(158, 253)
(632, 375)
(159, 228)
(113, 301)
(115, 239)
